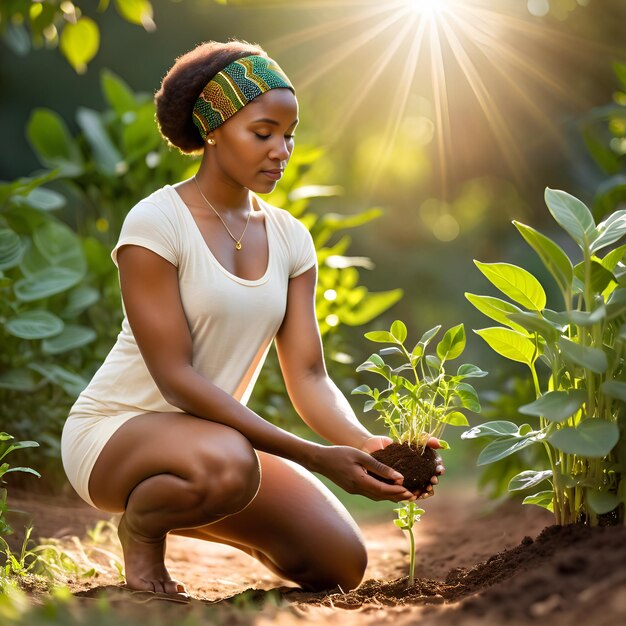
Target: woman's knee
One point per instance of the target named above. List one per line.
(227, 476)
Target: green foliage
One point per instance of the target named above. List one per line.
(578, 408)
(419, 407)
(60, 312)
(6, 448)
(61, 23)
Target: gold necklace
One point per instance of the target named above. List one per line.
(237, 241)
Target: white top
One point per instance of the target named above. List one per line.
(232, 320)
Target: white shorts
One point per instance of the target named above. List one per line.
(82, 440)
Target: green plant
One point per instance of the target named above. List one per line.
(5, 449)
(580, 405)
(419, 407)
(422, 405)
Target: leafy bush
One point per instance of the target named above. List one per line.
(580, 407)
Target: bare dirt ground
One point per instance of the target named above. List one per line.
(477, 563)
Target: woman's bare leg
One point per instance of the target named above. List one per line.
(170, 471)
(296, 527)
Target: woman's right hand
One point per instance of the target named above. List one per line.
(348, 467)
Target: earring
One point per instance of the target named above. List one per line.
(211, 141)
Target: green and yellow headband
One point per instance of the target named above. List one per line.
(233, 87)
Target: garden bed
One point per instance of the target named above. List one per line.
(477, 563)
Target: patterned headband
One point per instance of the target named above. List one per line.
(233, 87)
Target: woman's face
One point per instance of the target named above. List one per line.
(253, 146)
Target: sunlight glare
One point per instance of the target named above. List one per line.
(427, 8)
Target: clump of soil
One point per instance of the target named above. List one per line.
(418, 465)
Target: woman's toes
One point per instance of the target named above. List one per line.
(174, 586)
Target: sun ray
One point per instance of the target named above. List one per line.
(322, 64)
(399, 103)
(501, 132)
(280, 44)
(364, 87)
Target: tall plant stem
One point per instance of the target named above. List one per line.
(412, 557)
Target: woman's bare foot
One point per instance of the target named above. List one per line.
(144, 562)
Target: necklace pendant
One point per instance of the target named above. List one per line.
(238, 245)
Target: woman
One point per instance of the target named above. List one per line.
(210, 275)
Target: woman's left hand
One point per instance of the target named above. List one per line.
(380, 442)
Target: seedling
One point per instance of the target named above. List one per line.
(417, 406)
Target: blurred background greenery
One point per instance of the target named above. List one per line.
(426, 127)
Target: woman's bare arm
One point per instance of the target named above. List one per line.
(315, 396)
(155, 313)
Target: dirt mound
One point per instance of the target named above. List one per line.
(566, 569)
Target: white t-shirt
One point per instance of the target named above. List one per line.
(232, 321)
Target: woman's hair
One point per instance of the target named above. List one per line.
(183, 84)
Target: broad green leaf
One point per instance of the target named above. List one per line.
(516, 283)
(380, 336)
(11, 249)
(52, 142)
(544, 499)
(600, 277)
(71, 382)
(592, 438)
(18, 379)
(456, 418)
(593, 359)
(18, 445)
(601, 502)
(470, 371)
(71, 337)
(44, 200)
(497, 428)
(501, 448)
(370, 307)
(528, 479)
(390, 350)
(452, 344)
(136, 12)
(46, 283)
(509, 344)
(362, 389)
(79, 42)
(433, 361)
(79, 300)
(428, 336)
(572, 215)
(468, 396)
(37, 324)
(118, 94)
(610, 230)
(399, 331)
(553, 257)
(616, 304)
(614, 389)
(586, 318)
(611, 260)
(555, 406)
(60, 245)
(496, 309)
(106, 156)
(535, 323)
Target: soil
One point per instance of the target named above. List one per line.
(417, 464)
(477, 563)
